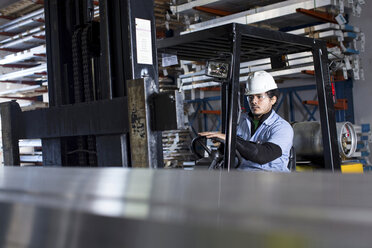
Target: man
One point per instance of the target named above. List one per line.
(264, 139)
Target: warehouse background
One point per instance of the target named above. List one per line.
(164, 21)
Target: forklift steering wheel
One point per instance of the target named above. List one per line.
(216, 156)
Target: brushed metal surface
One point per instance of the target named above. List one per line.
(69, 207)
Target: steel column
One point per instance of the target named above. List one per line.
(326, 107)
(145, 149)
(106, 50)
(10, 112)
(59, 24)
(118, 63)
(224, 111)
(114, 48)
(112, 150)
(135, 14)
(232, 101)
(140, 9)
(53, 149)
(205, 117)
(291, 106)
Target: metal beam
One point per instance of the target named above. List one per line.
(96, 118)
(146, 150)
(232, 98)
(213, 11)
(59, 26)
(10, 112)
(326, 107)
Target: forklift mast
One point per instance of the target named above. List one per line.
(102, 73)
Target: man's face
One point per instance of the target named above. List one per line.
(260, 104)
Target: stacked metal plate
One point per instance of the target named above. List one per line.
(296, 63)
(23, 39)
(283, 14)
(24, 61)
(346, 41)
(349, 42)
(23, 64)
(186, 7)
(28, 155)
(176, 148)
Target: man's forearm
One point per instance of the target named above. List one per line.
(258, 153)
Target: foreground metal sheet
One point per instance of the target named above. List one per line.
(60, 207)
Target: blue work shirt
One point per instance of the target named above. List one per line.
(275, 130)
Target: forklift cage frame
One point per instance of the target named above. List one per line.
(247, 43)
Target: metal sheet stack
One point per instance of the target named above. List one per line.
(345, 41)
(115, 207)
(176, 148)
(23, 58)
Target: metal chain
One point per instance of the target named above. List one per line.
(77, 66)
(88, 86)
(87, 69)
(78, 84)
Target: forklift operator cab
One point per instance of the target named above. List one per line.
(214, 160)
(264, 139)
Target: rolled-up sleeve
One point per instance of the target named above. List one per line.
(281, 134)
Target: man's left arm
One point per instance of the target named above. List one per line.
(258, 153)
(279, 142)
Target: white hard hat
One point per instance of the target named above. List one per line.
(259, 82)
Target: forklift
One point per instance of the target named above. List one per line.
(225, 47)
(105, 108)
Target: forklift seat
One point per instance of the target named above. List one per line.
(292, 160)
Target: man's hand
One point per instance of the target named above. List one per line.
(211, 135)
